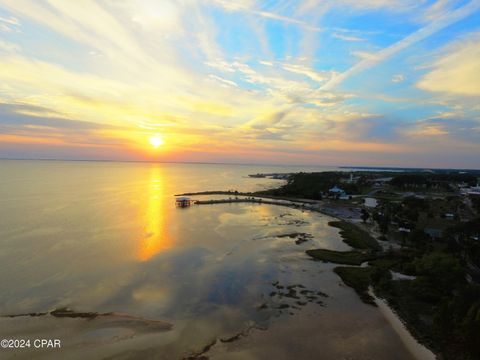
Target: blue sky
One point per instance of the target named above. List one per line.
(345, 82)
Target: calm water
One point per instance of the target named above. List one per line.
(106, 237)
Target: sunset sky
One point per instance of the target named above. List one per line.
(327, 82)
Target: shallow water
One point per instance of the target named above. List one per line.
(106, 237)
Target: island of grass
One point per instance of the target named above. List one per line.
(341, 257)
(359, 279)
(354, 236)
(366, 249)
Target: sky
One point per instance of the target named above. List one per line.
(323, 82)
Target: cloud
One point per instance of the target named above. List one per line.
(319, 76)
(9, 47)
(269, 121)
(456, 129)
(107, 32)
(445, 20)
(376, 129)
(153, 15)
(438, 10)
(249, 7)
(32, 124)
(457, 71)
(10, 20)
(347, 37)
(321, 98)
(9, 24)
(285, 82)
(366, 55)
(398, 78)
(362, 5)
(266, 63)
(35, 116)
(224, 82)
(216, 76)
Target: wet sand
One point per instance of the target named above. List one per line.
(329, 335)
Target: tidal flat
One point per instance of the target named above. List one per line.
(247, 292)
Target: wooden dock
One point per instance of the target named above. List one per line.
(251, 200)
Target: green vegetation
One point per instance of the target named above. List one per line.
(439, 306)
(365, 215)
(435, 236)
(340, 257)
(475, 200)
(357, 278)
(313, 185)
(354, 236)
(437, 181)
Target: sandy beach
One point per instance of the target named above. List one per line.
(419, 351)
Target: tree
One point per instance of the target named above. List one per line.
(383, 220)
(418, 238)
(365, 215)
(442, 270)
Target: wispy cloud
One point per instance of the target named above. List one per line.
(397, 78)
(223, 81)
(9, 47)
(445, 20)
(347, 37)
(304, 70)
(249, 7)
(9, 24)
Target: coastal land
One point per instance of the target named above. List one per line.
(416, 249)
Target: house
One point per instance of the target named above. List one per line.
(336, 192)
(370, 202)
(473, 190)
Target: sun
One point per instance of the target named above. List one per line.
(156, 141)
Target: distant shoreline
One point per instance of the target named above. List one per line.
(404, 169)
(346, 167)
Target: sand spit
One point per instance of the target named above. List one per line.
(81, 334)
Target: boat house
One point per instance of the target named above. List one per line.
(183, 201)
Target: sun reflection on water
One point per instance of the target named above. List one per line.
(156, 236)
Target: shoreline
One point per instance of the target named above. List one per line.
(419, 351)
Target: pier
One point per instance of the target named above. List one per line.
(183, 200)
(299, 204)
(255, 201)
(345, 212)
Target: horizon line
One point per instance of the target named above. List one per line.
(353, 167)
